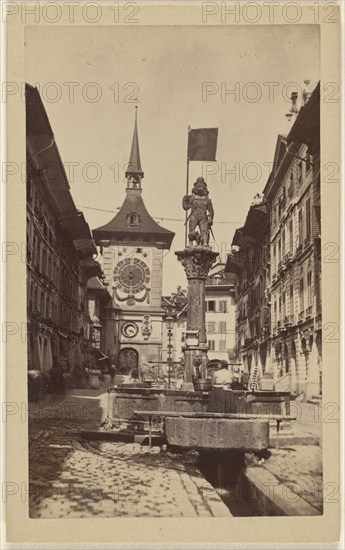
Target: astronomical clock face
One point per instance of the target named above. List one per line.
(130, 329)
(131, 278)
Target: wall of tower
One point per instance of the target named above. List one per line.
(151, 257)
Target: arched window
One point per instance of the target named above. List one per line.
(128, 360)
(133, 219)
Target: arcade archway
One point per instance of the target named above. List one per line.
(128, 360)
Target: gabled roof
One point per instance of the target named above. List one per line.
(133, 223)
(306, 128)
(144, 230)
(280, 151)
(43, 154)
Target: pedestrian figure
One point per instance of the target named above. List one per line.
(222, 376)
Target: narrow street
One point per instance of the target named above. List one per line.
(74, 478)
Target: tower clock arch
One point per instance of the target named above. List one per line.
(128, 360)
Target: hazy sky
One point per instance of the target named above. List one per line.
(166, 69)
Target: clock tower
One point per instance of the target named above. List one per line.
(132, 246)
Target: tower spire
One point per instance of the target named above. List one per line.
(134, 173)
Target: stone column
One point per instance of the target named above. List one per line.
(197, 262)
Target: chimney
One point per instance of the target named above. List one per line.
(293, 110)
(307, 92)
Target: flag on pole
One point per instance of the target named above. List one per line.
(202, 144)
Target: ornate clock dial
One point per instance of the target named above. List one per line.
(131, 275)
(130, 329)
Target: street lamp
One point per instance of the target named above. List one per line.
(169, 321)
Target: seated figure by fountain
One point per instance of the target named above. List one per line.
(201, 213)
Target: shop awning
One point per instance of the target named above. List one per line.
(256, 221)
(233, 265)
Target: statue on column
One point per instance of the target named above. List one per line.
(201, 213)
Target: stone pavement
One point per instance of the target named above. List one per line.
(71, 477)
(299, 466)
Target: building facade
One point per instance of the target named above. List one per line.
(219, 317)
(98, 300)
(132, 245)
(293, 191)
(279, 305)
(60, 253)
(220, 314)
(250, 262)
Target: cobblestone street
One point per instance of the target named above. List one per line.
(71, 477)
(74, 477)
(299, 466)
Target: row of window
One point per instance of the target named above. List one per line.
(284, 305)
(294, 178)
(217, 306)
(285, 243)
(46, 306)
(47, 265)
(42, 303)
(36, 203)
(216, 328)
(221, 345)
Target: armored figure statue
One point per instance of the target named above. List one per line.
(201, 213)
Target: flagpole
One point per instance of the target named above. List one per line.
(187, 191)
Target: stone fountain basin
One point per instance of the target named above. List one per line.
(123, 402)
(217, 433)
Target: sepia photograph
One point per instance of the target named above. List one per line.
(174, 261)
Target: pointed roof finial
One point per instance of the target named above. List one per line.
(134, 165)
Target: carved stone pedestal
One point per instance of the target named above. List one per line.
(197, 262)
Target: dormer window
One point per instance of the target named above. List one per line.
(133, 219)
